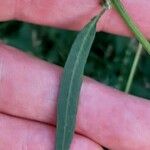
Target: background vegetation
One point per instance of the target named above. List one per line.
(109, 62)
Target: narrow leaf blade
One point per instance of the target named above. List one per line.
(71, 85)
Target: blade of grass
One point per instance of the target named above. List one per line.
(133, 68)
(128, 20)
(71, 84)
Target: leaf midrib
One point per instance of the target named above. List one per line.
(71, 81)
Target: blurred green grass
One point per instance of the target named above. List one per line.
(109, 62)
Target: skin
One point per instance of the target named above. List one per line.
(29, 86)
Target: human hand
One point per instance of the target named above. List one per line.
(28, 95)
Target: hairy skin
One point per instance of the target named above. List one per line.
(29, 87)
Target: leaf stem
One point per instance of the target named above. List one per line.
(128, 20)
(134, 68)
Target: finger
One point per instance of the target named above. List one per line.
(74, 14)
(29, 89)
(19, 134)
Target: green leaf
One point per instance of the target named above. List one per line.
(71, 85)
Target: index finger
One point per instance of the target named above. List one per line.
(74, 14)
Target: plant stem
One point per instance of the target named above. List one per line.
(128, 20)
(134, 68)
